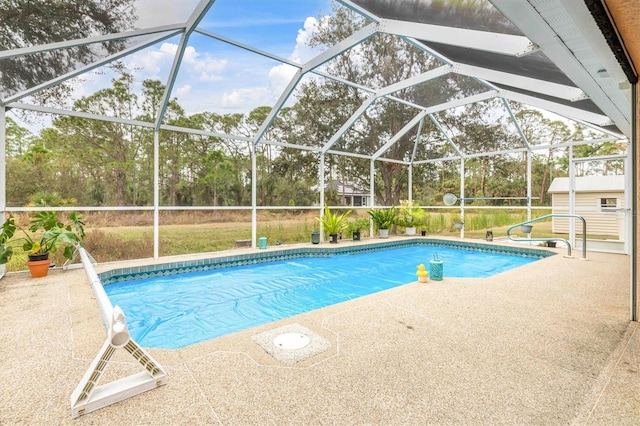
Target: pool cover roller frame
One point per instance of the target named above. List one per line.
(88, 396)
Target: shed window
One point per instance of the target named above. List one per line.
(608, 203)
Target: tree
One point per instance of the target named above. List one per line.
(106, 150)
(25, 23)
(541, 130)
(18, 138)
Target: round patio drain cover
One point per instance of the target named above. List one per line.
(291, 341)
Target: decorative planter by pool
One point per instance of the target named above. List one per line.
(458, 224)
(526, 229)
(411, 230)
(39, 268)
(333, 238)
(315, 237)
(436, 267)
(356, 236)
(262, 242)
(383, 233)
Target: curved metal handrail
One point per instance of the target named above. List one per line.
(538, 219)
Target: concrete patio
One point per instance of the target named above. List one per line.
(549, 343)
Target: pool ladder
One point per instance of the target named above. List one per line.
(538, 219)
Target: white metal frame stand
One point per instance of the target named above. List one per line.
(88, 395)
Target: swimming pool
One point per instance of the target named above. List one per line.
(176, 310)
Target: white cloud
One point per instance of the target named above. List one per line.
(281, 75)
(302, 52)
(182, 91)
(245, 96)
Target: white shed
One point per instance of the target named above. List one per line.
(599, 199)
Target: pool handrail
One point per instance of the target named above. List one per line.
(88, 396)
(561, 215)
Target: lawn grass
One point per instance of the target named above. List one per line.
(198, 234)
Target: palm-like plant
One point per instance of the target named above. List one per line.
(333, 223)
(383, 218)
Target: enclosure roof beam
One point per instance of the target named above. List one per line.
(291, 145)
(505, 44)
(415, 144)
(567, 111)
(415, 43)
(600, 129)
(366, 104)
(573, 143)
(411, 124)
(198, 14)
(415, 80)
(462, 102)
(392, 160)
(349, 154)
(277, 107)
(88, 40)
(343, 81)
(527, 83)
(338, 48)
(494, 153)
(446, 136)
(516, 123)
(247, 47)
(82, 70)
(145, 124)
(437, 160)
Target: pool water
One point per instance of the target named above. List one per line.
(179, 310)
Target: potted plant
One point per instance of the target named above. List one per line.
(383, 219)
(409, 215)
(45, 235)
(424, 225)
(333, 223)
(354, 227)
(457, 222)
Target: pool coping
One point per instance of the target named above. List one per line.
(262, 256)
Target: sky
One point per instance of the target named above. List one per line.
(216, 76)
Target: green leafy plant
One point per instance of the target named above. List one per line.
(333, 223)
(409, 214)
(354, 226)
(357, 224)
(383, 218)
(46, 234)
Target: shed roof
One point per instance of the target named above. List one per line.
(610, 183)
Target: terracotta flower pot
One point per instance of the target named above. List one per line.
(39, 268)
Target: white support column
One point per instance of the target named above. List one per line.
(321, 180)
(254, 197)
(372, 192)
(410, 182)
(462, 196)
(156, 193)
(572, 198)
(628, 197)
(3, 171)
(529, 161)
(3, 158)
